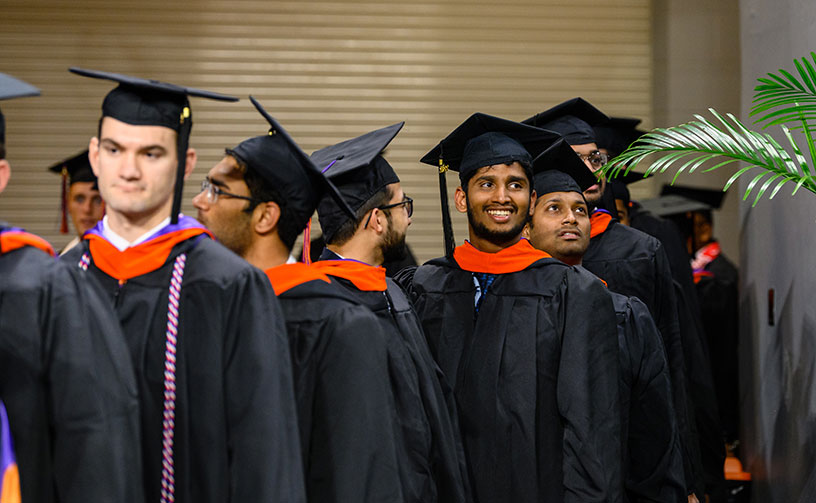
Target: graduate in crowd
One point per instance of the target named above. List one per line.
(652, 456)
(68, 398)
(205, 331)
(257, 200)
(528, 342)
(432, 466)
(635, 264)
(717, 281)
(80, 198)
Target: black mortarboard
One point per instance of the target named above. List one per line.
(72, 170)
(143, 102)
(483, 140)
(711, 198)
(281, 162)
(11, 88)
(358, 170)
(573, 119)
(672, 204)
(559, 169)
(617, 134)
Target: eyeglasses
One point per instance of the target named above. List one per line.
(213, 192)
(409, 207)
(597, 159)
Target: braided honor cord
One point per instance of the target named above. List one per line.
(168, 490)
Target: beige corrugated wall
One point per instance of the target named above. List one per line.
(327, 70)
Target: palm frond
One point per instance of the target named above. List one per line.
(688, 146)
(785, 99)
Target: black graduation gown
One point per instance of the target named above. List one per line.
(653, 459)
(67, 385)
(236, 436)
(719, 297)
(634, 264)
(346, 408)
(535, 377)
(429, 443)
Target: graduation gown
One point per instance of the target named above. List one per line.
(432, 464)
(346, 409)
(653, 459)
(535, 373)
(634, 264)
(717, 287)
(65, 380)
(235, 428)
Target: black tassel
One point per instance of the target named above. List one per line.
(447, 228)
(183, 144)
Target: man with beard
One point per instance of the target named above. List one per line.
(257, 200)
(80, 198)
(69, 410)
(635, 264)
(652, 459)
(432, 467)
(205, 331)
(528, 342)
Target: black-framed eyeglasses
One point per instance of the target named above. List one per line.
(213, 191)
(409, 207)
(597, 159)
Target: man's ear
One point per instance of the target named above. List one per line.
(533, 198)
(377, 222)
(5, 174)
(525, 232)
(460, 200)
(265, 217)
(190, 163)
(93, 155)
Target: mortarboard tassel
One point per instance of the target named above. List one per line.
(307, 244)
(183, 143)
(64, 202)
(447, 228)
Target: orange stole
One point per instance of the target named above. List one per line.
(367, 278)
(287, 276)
(10, 485)
(14, 240)
(599, 222)
(140, 259)
(511, 259)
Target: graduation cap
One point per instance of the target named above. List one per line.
(672, 204)
(711, 198)
(617, 134)
(281, 162)
(619, 186)
(358, 170)
(573, 119)
(11, 88)
(558, 169)
(72, 170)
(483, 140)
(143, 102)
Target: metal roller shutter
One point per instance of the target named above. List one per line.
(328, 70)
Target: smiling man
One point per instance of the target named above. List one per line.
(652, 459)
(527, 341)
(205, 331)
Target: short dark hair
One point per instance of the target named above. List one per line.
(261, 191)
(349, 227)
(2, 150)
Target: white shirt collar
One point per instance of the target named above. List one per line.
(291, 260)
(123, 244)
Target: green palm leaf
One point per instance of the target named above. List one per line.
(786, 98)
(688, 146)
